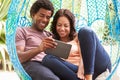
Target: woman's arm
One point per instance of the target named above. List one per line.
(80, 72)
(88, 77)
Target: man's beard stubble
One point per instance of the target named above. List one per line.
(36, 27)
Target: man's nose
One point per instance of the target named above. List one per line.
(45, 19)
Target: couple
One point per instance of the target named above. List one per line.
(87, 58)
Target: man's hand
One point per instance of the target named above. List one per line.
(48, 42)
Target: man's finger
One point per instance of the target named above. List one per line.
(48, 45)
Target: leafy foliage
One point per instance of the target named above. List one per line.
(4, 6)
(2, 34)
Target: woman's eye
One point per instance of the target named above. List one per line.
(58, 25)
(66, 26)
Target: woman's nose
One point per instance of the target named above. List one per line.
(62, 28)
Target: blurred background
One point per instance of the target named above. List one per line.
(6, 68)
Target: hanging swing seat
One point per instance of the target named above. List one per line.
(87, 13)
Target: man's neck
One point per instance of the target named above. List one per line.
(36, 29)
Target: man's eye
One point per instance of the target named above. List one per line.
(41, 15)
(48, 17)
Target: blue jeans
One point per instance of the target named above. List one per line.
(63, 69)
(39, 72)
(95, 58)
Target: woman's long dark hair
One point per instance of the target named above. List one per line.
(69, 15)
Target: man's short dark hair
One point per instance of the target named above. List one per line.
(45, 4)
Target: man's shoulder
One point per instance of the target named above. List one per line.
(23, 28)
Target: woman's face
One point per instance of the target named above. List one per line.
(63, 27)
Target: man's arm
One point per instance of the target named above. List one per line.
(27, 55)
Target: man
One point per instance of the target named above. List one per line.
(31, 42)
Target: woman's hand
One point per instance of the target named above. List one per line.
(88, 77)
(80, 72)
(48, 42)
(81, 75)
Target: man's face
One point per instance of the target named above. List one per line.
(41, 18)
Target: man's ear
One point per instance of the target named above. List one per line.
(32, 16)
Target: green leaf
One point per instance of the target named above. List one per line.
(4, 8)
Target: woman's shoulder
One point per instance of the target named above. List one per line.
(76, 37)
(74, 41)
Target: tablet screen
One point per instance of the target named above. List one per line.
(62, 50)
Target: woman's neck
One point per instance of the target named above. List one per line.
(66, 39)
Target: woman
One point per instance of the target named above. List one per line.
(93, 53)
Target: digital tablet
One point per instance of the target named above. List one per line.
(62, 49)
